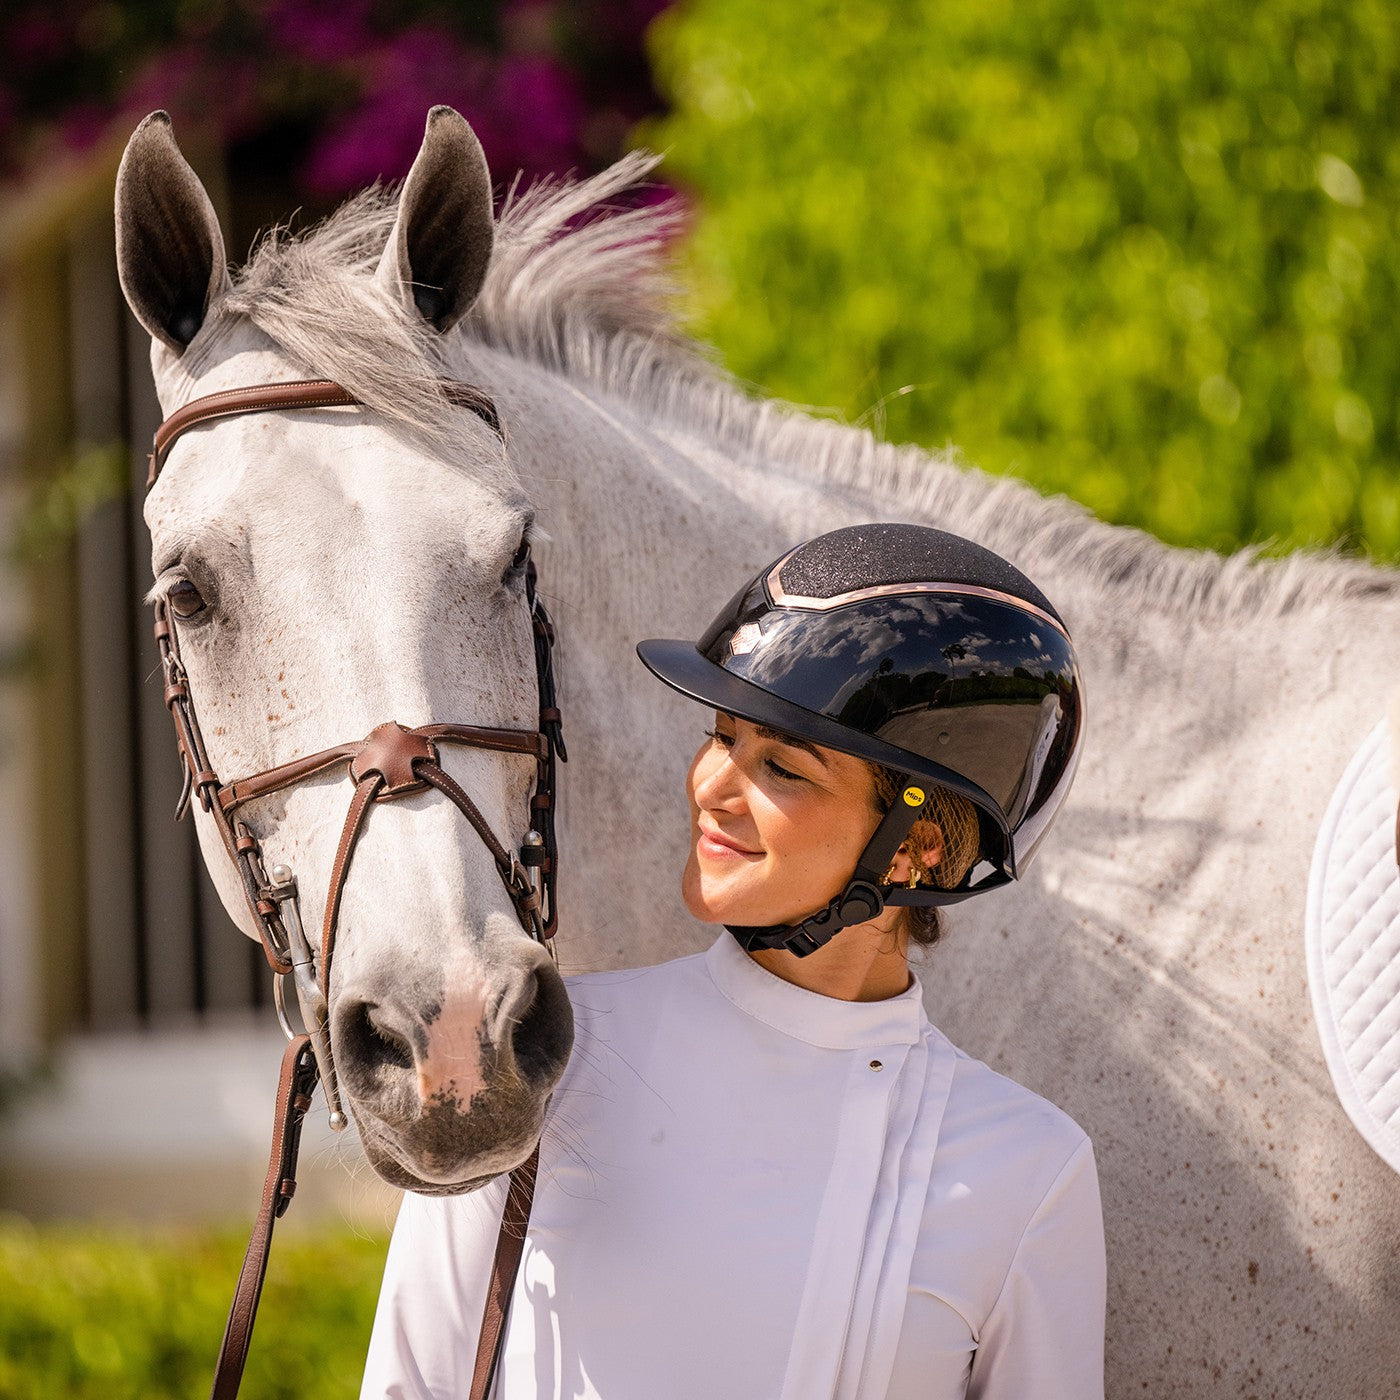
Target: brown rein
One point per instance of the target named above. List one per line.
(390, 762)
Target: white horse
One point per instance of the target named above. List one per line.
(1148, 976)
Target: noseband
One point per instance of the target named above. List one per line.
(392, 761)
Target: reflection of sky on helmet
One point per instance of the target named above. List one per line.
(820, 660)
(968, 683)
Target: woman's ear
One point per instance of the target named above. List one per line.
(926, 839)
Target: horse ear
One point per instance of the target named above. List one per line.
(436, 257)
(170, 252)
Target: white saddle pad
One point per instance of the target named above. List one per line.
(1353, 942)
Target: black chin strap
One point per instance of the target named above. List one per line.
(862, 899)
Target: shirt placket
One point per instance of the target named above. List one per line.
(870, 1086)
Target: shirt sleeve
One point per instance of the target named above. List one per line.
(423, 1345)
(1044, 1334)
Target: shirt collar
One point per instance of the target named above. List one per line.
(825, 1021)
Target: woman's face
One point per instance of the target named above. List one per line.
(776, 825)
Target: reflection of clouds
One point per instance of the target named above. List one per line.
(855, 640)
(783, 647)
(880, 637)
(973, 648)
(918, 651)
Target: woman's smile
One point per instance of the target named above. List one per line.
(712, 844)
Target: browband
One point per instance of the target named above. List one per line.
(301, 393)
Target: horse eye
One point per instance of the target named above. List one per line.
(185, 599)
(522, 555)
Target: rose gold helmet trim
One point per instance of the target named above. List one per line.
(784, 599)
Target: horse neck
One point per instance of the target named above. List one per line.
(665, 509)
(652, 520)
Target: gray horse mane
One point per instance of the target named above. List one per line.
(584, 290)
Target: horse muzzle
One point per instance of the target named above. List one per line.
(450, 1087)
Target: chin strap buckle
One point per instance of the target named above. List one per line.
(858, 903)
(861, 900)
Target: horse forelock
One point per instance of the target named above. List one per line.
(585, 290)
(314, 296)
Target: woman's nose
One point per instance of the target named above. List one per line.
(718, 780)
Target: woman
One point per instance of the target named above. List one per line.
(766, 1176)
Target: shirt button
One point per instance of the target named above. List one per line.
(876, 1065)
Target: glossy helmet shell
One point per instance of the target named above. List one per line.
(911, 648)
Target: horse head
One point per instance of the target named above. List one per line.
(331, 569)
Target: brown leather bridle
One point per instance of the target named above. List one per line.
(390, 762)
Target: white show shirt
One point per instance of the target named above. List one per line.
(751, 1192)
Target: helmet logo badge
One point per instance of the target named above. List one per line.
(915, 796)
(745, 639)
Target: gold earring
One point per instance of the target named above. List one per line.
(917, 873)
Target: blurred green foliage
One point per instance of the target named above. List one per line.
(69, 492)
(1140, 251)
(104, 1315)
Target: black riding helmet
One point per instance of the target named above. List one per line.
(917, 650)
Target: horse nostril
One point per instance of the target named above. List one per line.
(393, 1048)
(543, 1033)
(370, 1048)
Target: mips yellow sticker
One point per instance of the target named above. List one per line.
(915, 796)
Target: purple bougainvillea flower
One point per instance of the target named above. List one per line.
(402, 78)
(540, 108)
(168, 79)
(83, 126)
(555, 87)
(375, 141)
(321, 31)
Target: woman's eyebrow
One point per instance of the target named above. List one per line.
(793, 742)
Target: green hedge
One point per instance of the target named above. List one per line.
(104, 1315)
(1141, 251)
